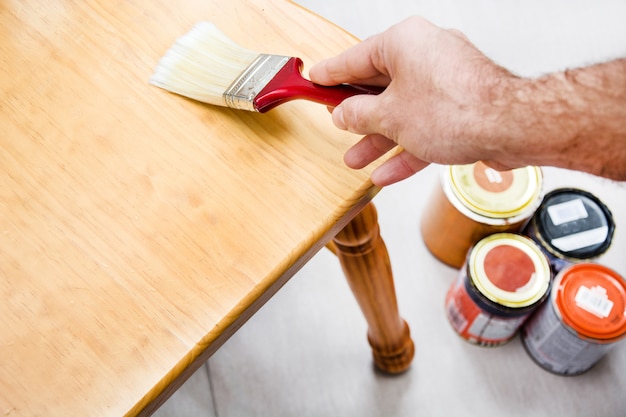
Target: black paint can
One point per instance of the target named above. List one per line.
(571, 226)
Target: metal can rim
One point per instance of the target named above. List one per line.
(461, 202)
(540, 233)
(535, 292)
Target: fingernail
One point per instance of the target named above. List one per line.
(380, 176)
(338, 118)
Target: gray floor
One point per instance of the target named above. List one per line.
(305, 352)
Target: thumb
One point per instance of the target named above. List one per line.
(359, 114)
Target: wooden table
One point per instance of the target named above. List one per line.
(139, 229)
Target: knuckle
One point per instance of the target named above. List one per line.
(355, 117)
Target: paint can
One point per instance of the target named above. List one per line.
(571, 225)
(474, 201)
(583, 319)
(506, 277)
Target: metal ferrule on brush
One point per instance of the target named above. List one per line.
(243, 91)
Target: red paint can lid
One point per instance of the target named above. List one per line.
(509, 270)
(591, 299)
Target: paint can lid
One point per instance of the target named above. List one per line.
(495, 194)
(591, 300)
(509, 270)
(574, 223)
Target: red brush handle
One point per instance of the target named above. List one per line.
(289, 84)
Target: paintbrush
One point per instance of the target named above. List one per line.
(207, 66)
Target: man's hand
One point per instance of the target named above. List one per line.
(447, 103)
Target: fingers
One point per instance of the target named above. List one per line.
(360, 64)
(397, 168)
(422, 109)
(361, 114)
(369, 149)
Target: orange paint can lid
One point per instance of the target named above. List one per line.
(591, 300)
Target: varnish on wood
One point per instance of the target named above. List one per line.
(474, 201)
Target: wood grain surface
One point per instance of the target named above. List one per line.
(139, 229)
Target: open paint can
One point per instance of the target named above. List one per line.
(474, 201)
(505, 278)
(584, 318)
(571, 226)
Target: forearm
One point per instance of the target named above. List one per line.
(574, 119)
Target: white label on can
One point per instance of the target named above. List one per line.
(490, 327)
(493, 176)
(581, 240)
(567, 212)
(594, 300)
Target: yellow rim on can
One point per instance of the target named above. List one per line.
(510, 270)
(494, 194)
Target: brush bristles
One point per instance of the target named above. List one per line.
(202, 64)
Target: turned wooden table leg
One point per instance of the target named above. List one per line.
(365, 262)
